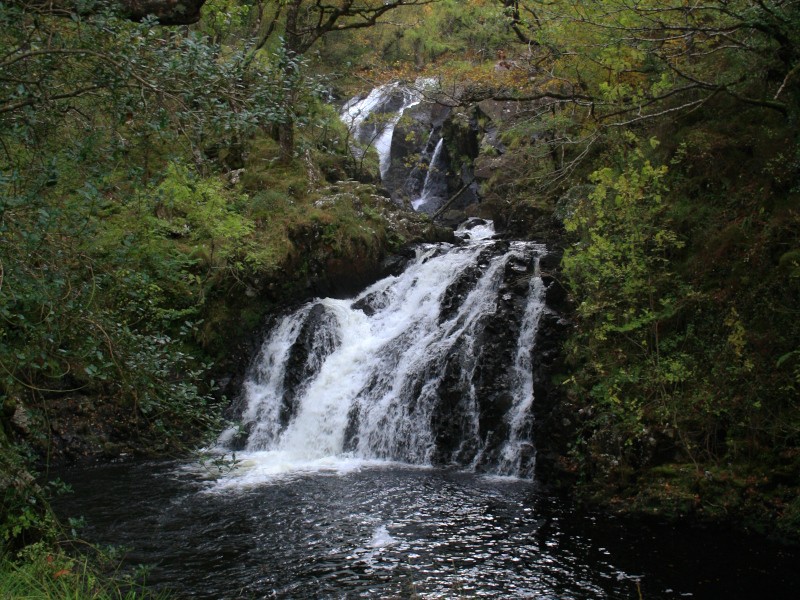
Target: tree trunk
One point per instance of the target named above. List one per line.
(286, 141)
(292, 44)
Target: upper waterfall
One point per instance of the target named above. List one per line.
(371, 119)
(432, 366)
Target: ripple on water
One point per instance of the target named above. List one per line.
(386, 531)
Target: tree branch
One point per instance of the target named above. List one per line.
(10, 107)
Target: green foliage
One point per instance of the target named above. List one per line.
(77, 318)
(145, 84)
(620, 271)
(223, 19)
(24, 514)
(686, 354)
(451, 27)
(614, 268)
(45, 573)
(200, 211)
(111, 240)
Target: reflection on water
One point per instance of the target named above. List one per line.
(377, 532)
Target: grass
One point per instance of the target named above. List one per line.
(42, 572)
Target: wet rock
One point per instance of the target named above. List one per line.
(351, 438)
(238, 441)
(461, 133)
(394, 264)
(21, 419)
(371, 303)
(413, 143)
(318, 338)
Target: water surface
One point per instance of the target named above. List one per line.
(364, 530)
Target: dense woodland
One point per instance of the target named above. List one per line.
(163, 173)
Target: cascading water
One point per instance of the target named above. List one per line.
(520, 415)
(435, 185)
(372, 119)
(432, 366)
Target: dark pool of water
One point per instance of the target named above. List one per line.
(398, 532)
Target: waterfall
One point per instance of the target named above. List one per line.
(434, 185)
(433, 366)
(372, 119)
(520, 416)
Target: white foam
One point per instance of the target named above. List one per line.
(381, 538)
(470, 230)
(371, 378)
(254, 469)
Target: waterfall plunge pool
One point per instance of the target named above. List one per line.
(311, 511)
(355, 530)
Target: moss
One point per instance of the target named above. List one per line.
(263, 170)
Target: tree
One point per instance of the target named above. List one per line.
(105, 125)
(140, 80)
(643, 58)
(301, 23)
(584, 69)
(621, 272)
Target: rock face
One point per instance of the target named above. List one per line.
(434, 144)
(415, 138)
(315, 342)
(426, 146)
(553, 425)
(461, 134)
(463, 148)
(493, 357)
(436, 363)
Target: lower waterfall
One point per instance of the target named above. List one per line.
(430, 367)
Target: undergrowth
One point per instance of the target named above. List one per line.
(44, 574)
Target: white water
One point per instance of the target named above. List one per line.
(432, 178)
(381, 538)
(372, 125)
(475, 230)
(375, 371)
(520, 414)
